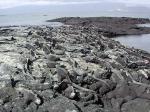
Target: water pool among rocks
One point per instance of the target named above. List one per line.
(136, 41)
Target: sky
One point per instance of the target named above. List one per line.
(82, 8)
(14, 3)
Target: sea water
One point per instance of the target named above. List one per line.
(26, 19)
(136, 41)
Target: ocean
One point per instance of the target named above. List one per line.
(26, 19)
(136, 41)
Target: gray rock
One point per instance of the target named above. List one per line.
(59, 104)
(53, 58)
(51, 64)
(62, 73)
(46, 49)
(137, 105)
(59, 52)
(31, 108)
(47, 95)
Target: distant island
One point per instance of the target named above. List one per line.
(109, 26)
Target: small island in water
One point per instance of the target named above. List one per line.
(75, 67)
(109, 26)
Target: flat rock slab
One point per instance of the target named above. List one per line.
(137, 105)
(59, 104)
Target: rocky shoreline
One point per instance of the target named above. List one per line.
(70, 69)
(108, 26)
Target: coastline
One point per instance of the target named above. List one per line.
(108, 26)
(71, 69)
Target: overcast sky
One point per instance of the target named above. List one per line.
(13, 3)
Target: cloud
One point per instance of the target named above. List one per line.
(145, 3)
(13, 3)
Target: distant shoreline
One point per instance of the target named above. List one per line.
(108, 26)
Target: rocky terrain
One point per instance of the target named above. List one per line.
(70, 69)
(109, 26)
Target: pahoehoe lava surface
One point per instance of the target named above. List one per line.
(70, 69)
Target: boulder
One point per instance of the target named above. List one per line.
(53, 58)
(59, 104)
(137, 105)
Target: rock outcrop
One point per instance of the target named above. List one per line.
(68, 69)
(108, 26)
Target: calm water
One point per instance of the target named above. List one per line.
(26, 19)
(136, 41)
